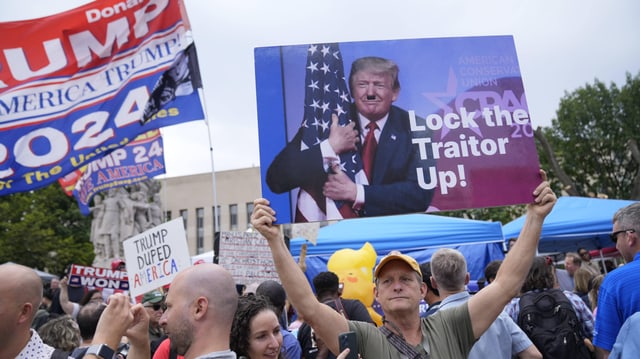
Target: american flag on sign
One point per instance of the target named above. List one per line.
(326, 93)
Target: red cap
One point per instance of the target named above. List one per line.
(116, 263)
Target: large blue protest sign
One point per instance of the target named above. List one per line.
(74, 86)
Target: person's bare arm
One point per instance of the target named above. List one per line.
(485, 306)
(601, 353)
(530, 353)
(326, 322)
(113, 323)
(138, 334)
(67, 305)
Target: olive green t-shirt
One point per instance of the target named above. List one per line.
(447, 334)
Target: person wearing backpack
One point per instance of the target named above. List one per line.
(558, 322)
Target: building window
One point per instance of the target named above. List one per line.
(233, 217)
(167, 215)
(184, 214)
(216, 219)
(249, 211)
(199, 230)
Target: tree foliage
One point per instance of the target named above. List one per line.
(44, 229)
(593, 140)
(502, 214)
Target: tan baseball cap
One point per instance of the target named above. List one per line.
(396, 255)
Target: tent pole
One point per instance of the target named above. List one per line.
(604, 265)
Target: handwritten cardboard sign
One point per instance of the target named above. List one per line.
(155, 256)
(247, 257)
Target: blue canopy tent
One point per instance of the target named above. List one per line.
(418, 235)
(575, 222)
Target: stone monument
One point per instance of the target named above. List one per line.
(121, 213)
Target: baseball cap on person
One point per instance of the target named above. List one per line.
(396, 255)
(118, 264)
(153, 297)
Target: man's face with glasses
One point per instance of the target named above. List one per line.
(155, 311)
(624, 238)
(618, 233)
(584, 254)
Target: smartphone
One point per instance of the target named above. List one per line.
(349, 340)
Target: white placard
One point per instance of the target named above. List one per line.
(247, 257)
(155, 256)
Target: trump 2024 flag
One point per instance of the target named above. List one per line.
(74, 86)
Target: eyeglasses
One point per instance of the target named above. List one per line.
(156, 306)
(614, 235)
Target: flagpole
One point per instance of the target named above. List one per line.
(190, 37)
(213, 172)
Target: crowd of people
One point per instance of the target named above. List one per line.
(203, 315)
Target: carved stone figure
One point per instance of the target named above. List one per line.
(121, 214)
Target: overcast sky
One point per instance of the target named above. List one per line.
(561, 45)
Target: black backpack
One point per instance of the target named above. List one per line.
(550, 321)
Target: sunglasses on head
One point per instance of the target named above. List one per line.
(614, 235)
(156, 306)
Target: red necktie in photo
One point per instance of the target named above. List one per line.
(369, 150)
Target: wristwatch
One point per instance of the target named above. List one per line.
(102, 351)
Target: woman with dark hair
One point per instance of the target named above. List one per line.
(255, 332)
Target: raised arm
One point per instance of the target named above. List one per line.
(485, 306)
(68, 306)
(138, 334)
(326, 322)
(113, 323)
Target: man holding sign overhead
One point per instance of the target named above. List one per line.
(399, 289)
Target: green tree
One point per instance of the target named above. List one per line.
(503, 214)
(44, 229)
(592, 144)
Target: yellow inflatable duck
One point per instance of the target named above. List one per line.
(355, 270)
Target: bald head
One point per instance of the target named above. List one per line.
(213, 282)
(20, 297)
(20, 285)
(201, 304)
